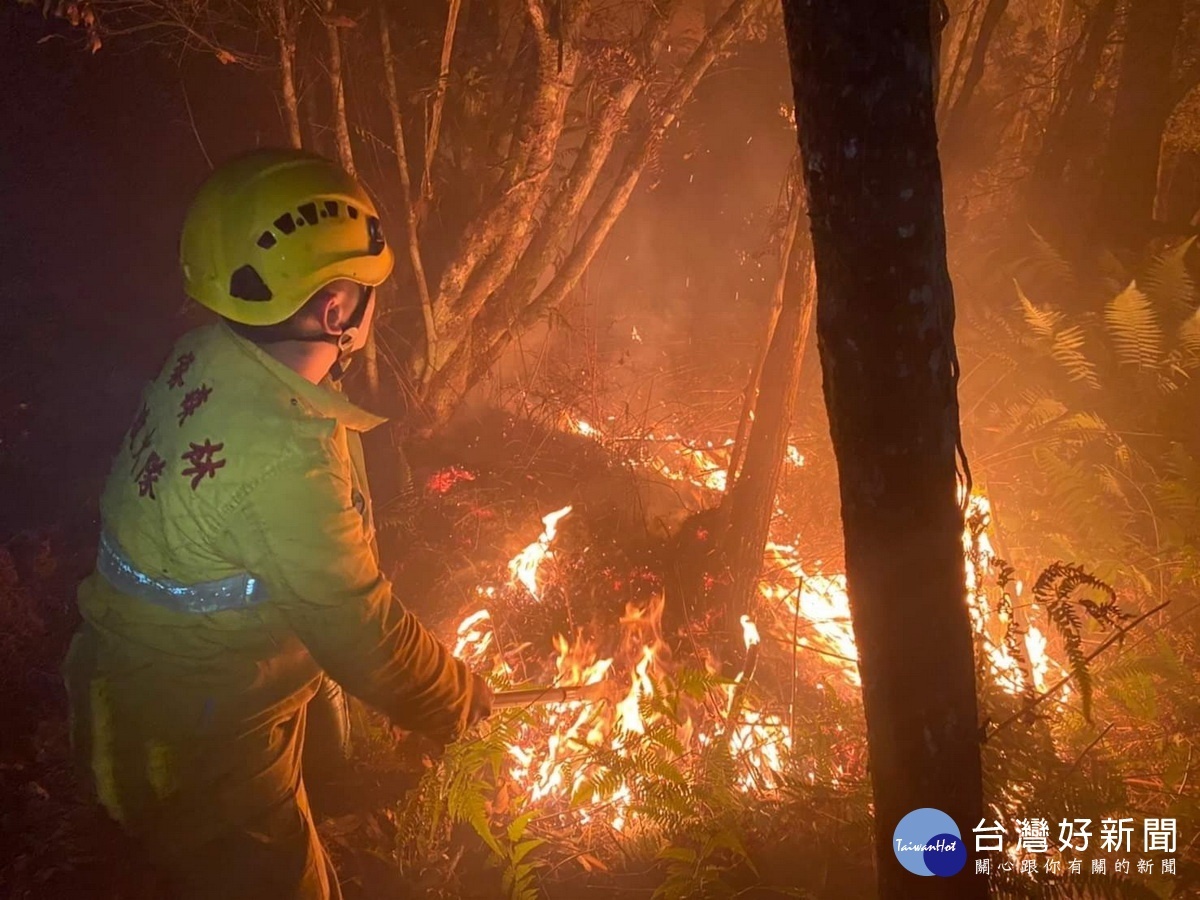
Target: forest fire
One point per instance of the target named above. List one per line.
(573, 758)
(597, 264)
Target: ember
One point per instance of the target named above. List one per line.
(442, 481)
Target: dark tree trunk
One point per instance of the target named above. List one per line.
(957, 120)
(1144, 101)
(1069, 134)
(947, 81)
(862, 72)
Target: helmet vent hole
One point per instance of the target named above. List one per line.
(266, 240)
(247, 284)
(331, 209)
(352, 211)
(285, 223)
(309, 211)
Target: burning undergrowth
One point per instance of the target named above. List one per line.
(684, 764)
(602, 578)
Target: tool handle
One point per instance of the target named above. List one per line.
(540, 695)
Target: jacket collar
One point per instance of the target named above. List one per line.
(325, 399)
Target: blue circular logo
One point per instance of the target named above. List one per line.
(928, 842)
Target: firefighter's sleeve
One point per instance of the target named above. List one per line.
(304, 538)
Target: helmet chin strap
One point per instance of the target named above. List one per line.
(347, 341)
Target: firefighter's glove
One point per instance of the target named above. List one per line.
(481, 700)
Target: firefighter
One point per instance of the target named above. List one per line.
(237, 567)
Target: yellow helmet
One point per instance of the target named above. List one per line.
(269, 229)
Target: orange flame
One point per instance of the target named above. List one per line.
(524, 566)
(750, 633)
(553, 753)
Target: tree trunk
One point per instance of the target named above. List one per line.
(577, 186)
(750, 505)
(287, 72)
(862, 73)
(794, 192)
(411, 231)
(956, 117)
(493, 242)
(1067, 137)
(1143, 104)
(466, 367)
(337, 90)
(947, 84)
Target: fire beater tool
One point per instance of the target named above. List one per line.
(537, 696)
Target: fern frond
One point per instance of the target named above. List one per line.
(1087, 423)
(1168, 281)
(1136, 333)
(1055, 589)
(1047, 262)
(1111, 484)
(1188, 337)
(1067, 353)
(1041, 411)
(1043, 322)
(1178, 497)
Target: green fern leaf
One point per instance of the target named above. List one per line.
(1135, 330)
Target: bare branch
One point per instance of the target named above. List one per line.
(439, 100)
(199, 26)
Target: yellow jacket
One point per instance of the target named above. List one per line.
(235, 464)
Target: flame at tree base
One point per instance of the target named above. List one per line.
(651, 727)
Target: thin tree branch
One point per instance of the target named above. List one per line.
(439, 100)
(993, 14)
